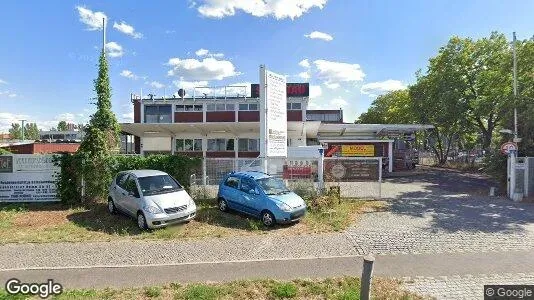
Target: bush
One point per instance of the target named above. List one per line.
(153, 292)
(201, 292)
(98, 175)
(305, 189)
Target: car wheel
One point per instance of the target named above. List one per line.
(267, 218)
(141, 221)
(111, 206)
(223, 205)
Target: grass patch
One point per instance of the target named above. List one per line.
(284, 290)
(344, 288)
(41, 223)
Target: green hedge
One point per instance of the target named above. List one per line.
(73, 167)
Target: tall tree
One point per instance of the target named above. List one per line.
(31, 131)
(392, 108)
(15, 131)
(101, 138)
(62, 126)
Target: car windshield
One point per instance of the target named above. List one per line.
(272, 186)
(159, 184)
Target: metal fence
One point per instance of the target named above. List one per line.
(356, 177)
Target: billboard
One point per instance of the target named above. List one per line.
(292, 90)
(358, 150)
(27, 178)
(273, 114)
(346, 170)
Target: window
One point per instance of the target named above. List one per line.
(120, 179)
(294, 106)
(131, 187)
(249, 145)
(158, 114)
(232, 182)
(158, 184)
(247, 185)
(248, 106)
(220, 107)
(220, 144)
(188, 145)
(196, 107)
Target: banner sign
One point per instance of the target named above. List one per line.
(273, 116)
(292, 90)
(27, 178)
(358, 150)
(340, 170)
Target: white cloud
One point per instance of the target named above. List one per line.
(3, 81)
(8, 94)
(332, 86)
(338, 102)
(128, 74)
(304, 63)
(376, 88)
(114, 50)
(337, 72)
(206, 69)
(304, 75)
(6, 119)
(315, 91)
(168, 31)
(204, 52)
(317, 35)
(93, 19)
(127, 113)
(127, 29)
(157, 85)
(279, 9)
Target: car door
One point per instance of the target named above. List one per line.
(131, 198)
(119, 191)
(230, 189)
(249, 198)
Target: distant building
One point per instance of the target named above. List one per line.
(69, 135)
(41, 148)
(5, 136)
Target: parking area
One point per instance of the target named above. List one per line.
(437, 210)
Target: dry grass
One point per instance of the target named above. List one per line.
(332, 288)
(39, 223)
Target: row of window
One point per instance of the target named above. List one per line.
(163, 113)
(244, 145)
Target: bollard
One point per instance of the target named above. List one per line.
(367, 274)
(492, 191)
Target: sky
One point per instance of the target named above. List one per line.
(349, 51)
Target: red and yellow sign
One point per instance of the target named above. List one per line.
(357, 150)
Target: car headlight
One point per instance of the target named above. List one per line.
(153, 209)
(283, 206)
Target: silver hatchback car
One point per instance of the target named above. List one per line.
(153, 197)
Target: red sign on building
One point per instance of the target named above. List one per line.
(293, 90)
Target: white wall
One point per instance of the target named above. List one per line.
(156, 144)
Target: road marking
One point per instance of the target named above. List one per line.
(179, 264)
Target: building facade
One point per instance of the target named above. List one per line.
(227, 125)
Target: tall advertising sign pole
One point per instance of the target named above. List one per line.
(273, 116)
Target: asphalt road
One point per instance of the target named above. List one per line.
(386, 266)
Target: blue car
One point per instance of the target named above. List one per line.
(262, 196)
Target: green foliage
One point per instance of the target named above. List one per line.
(284, 290)
(62, 126)
(31, 131)
(153, 291)
(69, 179)
(4, 151)
(101, 139)
(392, 108)
(15, 131)
(201, 292)
(74, 167)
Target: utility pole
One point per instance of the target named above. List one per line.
(23, 129)
(104, 35)
(515, 89)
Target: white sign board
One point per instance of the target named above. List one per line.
(273, 116)
(27, 178)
